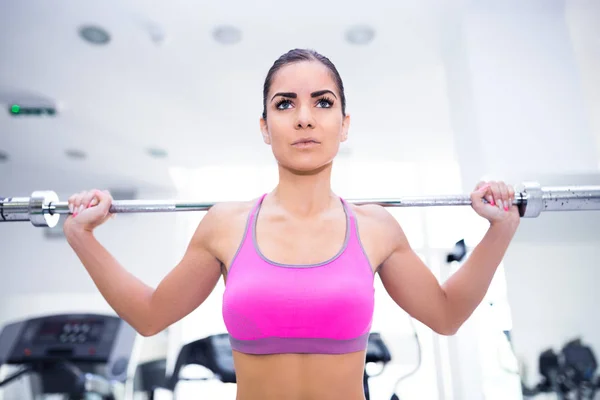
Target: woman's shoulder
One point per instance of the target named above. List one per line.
(373, 212)
(228, 212)
(224, 219)
(379, 231)
(231, 209)
(376, 218)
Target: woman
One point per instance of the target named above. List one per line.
(298, 262)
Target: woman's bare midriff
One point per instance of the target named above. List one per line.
(300, 376)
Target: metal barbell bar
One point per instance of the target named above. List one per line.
(43, 209)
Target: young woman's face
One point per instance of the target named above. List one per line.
(304, 124)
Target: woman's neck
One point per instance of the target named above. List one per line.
(304, 194)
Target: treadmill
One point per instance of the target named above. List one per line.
(67, 356)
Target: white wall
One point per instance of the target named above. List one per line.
(582, 20)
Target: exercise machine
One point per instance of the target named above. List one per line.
(570, 374)
(69, 356)
(149, 377)
(377, 353)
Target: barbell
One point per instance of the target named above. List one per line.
(43, 208)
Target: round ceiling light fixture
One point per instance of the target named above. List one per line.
(227, 34)
(157, 152)
(75, 154)
(360, 35)
(94, 34)
(156, 32)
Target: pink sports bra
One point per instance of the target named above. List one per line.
(325, 308)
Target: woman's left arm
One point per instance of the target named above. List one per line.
(444, 308)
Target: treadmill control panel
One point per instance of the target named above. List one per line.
(67, 337)
(84, 330)
(104, 341)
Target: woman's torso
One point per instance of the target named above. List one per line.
(282, 239)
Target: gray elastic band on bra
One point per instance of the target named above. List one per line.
(272, 345)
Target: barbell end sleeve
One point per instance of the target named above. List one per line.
(38, 209)
(532, 202)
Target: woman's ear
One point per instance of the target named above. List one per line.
(265, 131)
(345, 127)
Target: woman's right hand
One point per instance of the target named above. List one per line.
(89, 209)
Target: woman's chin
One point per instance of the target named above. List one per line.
(305, 167)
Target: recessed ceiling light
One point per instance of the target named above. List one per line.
(360, 35)
(226, 34)
(156, 32)
(94, 34)
(157, 152)
(3, 156)
(75, 154)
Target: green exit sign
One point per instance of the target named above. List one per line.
(18, 110)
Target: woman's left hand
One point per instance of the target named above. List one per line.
(499, 206)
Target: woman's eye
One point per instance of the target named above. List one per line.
(284, 104)
(324, 103)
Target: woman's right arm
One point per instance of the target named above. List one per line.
(146, 309)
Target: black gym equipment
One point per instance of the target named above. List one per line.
(73, 355)
(377, 353)
(150, 376)
(212, 352)
(570, 374)
(458, 252)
